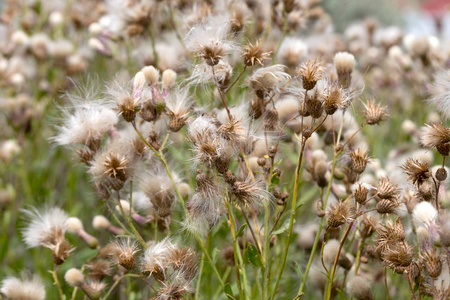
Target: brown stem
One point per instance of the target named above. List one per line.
(410, 282)
(236, 80)
(222, 96)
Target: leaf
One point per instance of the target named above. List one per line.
(275, 180)
(283, 227)
(298, 207)
(228, 291)
(215, 255)
(241, 230)
(254, 257)
(299, 272)
(277, 163)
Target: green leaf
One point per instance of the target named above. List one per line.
(283, 227)
(277, 163)
(275, 180)
(299, 272)
(228, 291)
(215, 255)
(254, 257)
(241, 230)
(298, 207)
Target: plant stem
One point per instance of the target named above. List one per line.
(236, 80)
(130, 223)
(56, 282)
(197, 289)
(116, 283)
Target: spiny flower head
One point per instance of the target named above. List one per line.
(334, 98)
(386, 189)
(360, 159)
(125, 252)
(435, 135)
(26, 288)
(311, 71)
(417, 171)
(249, 193)
(398, 256)
(156, 259)
(46, 228)
(211, 39)
(254, 54)
(178, 106)
(268, 79)
(433, 263)
(127, 100)
(374, 113)
(339, 214)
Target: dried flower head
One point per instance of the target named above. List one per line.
(386, 189)
(254, 54)
(311, 71)
(360, 191)
(211, 39)
(344, 63)
(440, 90)
(436, 135)
(417, 171)
(265, 80)
(398, 256)
(334, 98)
(125, 252)
(360, 159)
(374, 113)
(156, 259)
(359, 288)
(26, 288)
(126, 98)
(46, 228)
(339, 214)
(249, 193)
(178, 107)
(433, 263)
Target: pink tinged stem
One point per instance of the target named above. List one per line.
(90, 240)
(115, 230)
(140, 220)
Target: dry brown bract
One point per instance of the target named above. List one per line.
(374, 113)
(311, 71)
(254, 54)
(416, 170)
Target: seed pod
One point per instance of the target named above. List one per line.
(433, 263)
(386, 207)
(441, 174)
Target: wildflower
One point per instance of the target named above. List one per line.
(75, 226)
(440, 90)
(249, 193)
(433, 263)
(334, 98)
(386, 189)
(102, 223)
(417, 171)
(292, 51)
(311, 71)
(398, 256)
(151, 74)
(168, 79)
(47, 228)
(374, 113)
(359, 288)
(360, 191)
(99, 269)
(360, 159)
(210, 39)
(156, 259)
(344, 63)
(75, 277)
(127, 101)
(125, 252)
(314, 104)
(254, 54)
(339, 214)
(178, 106)
(436, 135)
(86, 121)
(265, 80)
(29, 288)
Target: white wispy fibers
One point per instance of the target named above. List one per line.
(425, 214)
(85, 119)
(440, 90)
(29, 288)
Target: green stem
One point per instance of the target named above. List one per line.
(267, 233)
(116, 283)
(130, 224)
(169, 173)
(56, 282)
(321, 224)
(197, 289)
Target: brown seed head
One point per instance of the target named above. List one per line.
(126, 252)
(360, 193)
(360, 159)
(416, 170)
(311, 71)
(433, 263)
(128, 107)
(334, 98)
(434, 135)
(398, 255)
(386, 189)
(339, 214)
(270, 119)
(374, 113)
(116, 166)
(254, 54)
(211, 54)
(441, 174)
(386, 206)
(314, 105)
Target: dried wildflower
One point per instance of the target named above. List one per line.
(102, 223)
(344, 63)
(270, 119)
(27, 288)
(425, 214)
(74, 277)
(151, 74)
(249, 193)
(292, 51)
(390, 233)
(125, 252)
(74, 225)
(374, 113)
(86, 121)
(360, 159)
(158, 187)
(92, 289)
(334, 98)
(211, 39)
(314, 104)
(398, 256)
(436, 135)
(440, 90)
(386, 189)
(441, 174)
(234, 133)
(184, 261)
(387, 206)
(178, 107)
(360, 191)
(156, 259)
(254, 54)
(433, 263)
(359, 288)
(47, 228)
(339, 214)
(417, 171)
(127, 100)
(99, 269)
(311, 71)
(265, 80)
